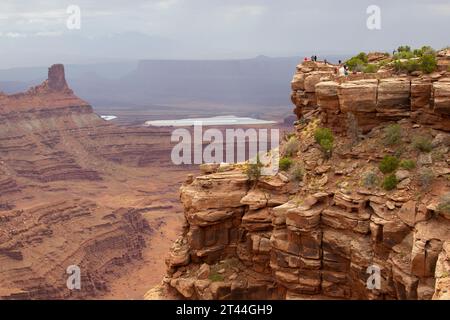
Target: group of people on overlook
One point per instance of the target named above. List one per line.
(342, 70)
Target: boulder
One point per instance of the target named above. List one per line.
(394, 93)
(358, 96)
(327, 95)
(441, 94)
(255, 199)
(407, 213)
(402, 175)
(442, 274)
(420, 94)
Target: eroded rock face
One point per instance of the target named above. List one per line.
(442, 274)
(321, 240)
(441, 93)
(371, 98)
(56, 78)
(322, 245)
(324, 236)
(62, 197)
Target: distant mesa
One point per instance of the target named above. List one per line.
(56, 78)
(53, 93)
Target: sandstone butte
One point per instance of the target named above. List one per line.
(75, 190)
(315, 239)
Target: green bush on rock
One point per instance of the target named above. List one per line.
(389, 164)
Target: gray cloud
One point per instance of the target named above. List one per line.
(35, 33)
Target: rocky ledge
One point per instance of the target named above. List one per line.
(373, 98)
(318, 231)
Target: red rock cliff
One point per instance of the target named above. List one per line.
(315, 232)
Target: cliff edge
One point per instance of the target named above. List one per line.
(370, 201)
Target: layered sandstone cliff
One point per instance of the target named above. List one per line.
(372, 98)
(73, 191)
(321, 237)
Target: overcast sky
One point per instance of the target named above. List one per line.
(34, 33)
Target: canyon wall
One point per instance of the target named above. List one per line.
(324, 236)
(73, 190)
(372, 98)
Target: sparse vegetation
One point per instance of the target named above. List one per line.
(438, 155)
(390, 182)
(407, 164)
(428, 63)
(389, 164)
(358, 62)
(291, 147)
(369, 179)
(323, 134)
(371, 68)
(327, 147)
(216, 277)
(422, 143)
(399, 151)
(444, 204)
(285, 163)
(423, 59)
(408, 66)
(297, 172)
(425, 178)
(392, 134)
(253, 170)
(324, 137)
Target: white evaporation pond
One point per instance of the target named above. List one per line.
(212, 121)
(108, 118)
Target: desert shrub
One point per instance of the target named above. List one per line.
(323, 134)
(389, 164)
(425, 178)
(422, 143)
(327, 147)
(410, 65)
(297, 172)
(215, 277)
(288, 136)
(390, 182)
(428, 63)
(358, 62)
(291, 147)
(370, 68)
(369, 179)
(423, 59)
(324, 137)
(404, 49)
(399, 151)
(392, 134)
(253, 170)
(404, 55)
(423, 51)
(444, 204)
(285, 163)
(407, 164)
